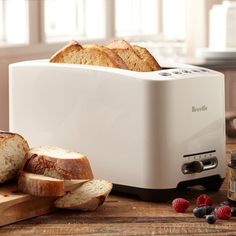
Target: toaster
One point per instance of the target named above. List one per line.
(149, 133)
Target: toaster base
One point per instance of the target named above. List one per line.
(211, 183)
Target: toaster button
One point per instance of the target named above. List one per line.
(177, 73)
(165, 74)
(186, 71)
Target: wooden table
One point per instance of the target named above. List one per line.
(127, 216)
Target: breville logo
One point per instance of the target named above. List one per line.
(198, 109)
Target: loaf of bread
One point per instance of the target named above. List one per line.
(89, 54)
(13, 148)
(58, 163)
(136, 58)
(88, 197)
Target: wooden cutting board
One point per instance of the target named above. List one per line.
(16, 206)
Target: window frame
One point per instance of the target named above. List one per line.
(36, 23)
(2, 14)
(36, 37)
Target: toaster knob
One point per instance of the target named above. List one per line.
(196, 166)
(193, 167)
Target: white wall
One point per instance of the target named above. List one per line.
(13, 56)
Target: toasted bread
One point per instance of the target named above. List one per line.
(89, 54)
(146, 56)
(129, 56)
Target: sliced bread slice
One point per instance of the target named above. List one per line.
(146, 56)
(89, 54)
(58, 163)
(13, 148)
(114, 59)
(39, 185)
(67, 54)
(129, 56)
(88, 197)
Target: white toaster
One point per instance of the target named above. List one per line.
(150, 133)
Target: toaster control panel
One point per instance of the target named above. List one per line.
(199, 166)
(182, 72)
(198, 162)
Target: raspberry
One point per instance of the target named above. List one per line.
(180, 204)
(203, 200)
(223, 212)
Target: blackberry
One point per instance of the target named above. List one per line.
(208, 210)
(199, 212)
(211, 219)
(233, 211)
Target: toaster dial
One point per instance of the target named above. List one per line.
(199, 165)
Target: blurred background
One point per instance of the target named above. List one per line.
(201, 32)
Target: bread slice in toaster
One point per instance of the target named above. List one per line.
(88, 197)
(89, 54)
(58, 163)
(129, 56)
(13, 148)
(146, 56)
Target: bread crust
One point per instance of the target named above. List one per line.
(39, 185)
(129, 56)
(13, 149)
(62, 168)
(145, 55)
(87, 197)
(59, 56)
(114, 57)
(88, 55)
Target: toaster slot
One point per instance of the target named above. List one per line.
(199, 165)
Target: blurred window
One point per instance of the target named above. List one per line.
(1, 22)
(174, 19)
(63, 20)
(136, 17)
(13, 21)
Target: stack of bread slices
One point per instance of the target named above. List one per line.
(51, 172)
(118, 54)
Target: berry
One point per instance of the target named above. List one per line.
(210, 219)
(223, 212)
(180, 204)
(199, 212)
(233, 211)
(203, 200)
(208, 210)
